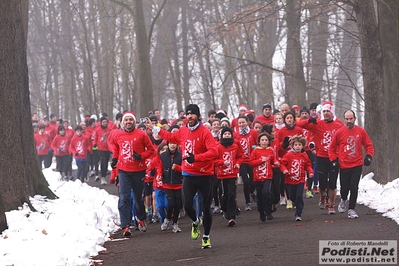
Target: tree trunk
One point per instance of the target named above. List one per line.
(373, 80)
(388, 24)
(16, 183)
(295, 85)
(143, 54)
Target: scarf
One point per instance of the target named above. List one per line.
(244, 131)
(226, 142)
(194, 127)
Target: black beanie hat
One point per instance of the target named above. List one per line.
(172, 127)
(313, 106)
(305, 109)
(224, 129)
(193, 109)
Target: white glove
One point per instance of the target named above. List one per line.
(155, 130)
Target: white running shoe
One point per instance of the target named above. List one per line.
(165, 224)
(352, 214)
(103, 181)
(175, 228)
(283, 201)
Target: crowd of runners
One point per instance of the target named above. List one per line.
(191, 166)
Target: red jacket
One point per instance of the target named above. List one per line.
(101, 137)
(265, 120)
(79, 146)
(232, 154)
(262, 170)
(199, 142)
(323, 133)
(287, 132)
(297, 164)
(247, 143)
(346, 145)
(60, 145)
(125, 143)
(42, 143)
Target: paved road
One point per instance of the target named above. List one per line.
(280, 241)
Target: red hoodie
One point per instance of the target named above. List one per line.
(297, 164)
(346, 145)
(262, 170)
(232, 154)
(323, 133)
(124, 143)
(199, 142)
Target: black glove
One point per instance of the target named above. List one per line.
(190, 158)
(136, 156)
(95, 146)
(286, 142)
(312, 120)
(113, 163)
(59, 149)
(334, 166)
(77, 154)
(311, 145)
(367, 160)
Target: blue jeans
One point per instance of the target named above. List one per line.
(162, 203)
(81, 164)
(128, 181)
(295, 194)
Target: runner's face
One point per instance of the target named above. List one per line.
(349, 119)
(129, 123)
(192, 119)
(327, 115)
(264, 142)
(258, 127)
(289, 120)
(242, 123)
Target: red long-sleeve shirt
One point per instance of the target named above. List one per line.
(124, 143)
(247, 143)
(346, 145)
(42, 143)
(323, 133)
(262, 170)
(297, 164)
(199, 142)
(60, 145)
(232, 154)
(79, 146)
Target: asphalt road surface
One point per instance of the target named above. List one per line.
(280, 241)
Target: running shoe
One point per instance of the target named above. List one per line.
(97, 178)
(342, 206)
(206, 242)
(283, 201)
(322, 203)
(231, 223)
(103, 181)
(142, 226)
(331, 209)
(248, 207)
(217, 210)
(352, 214)
(289, 204)
(269, 217)
(316, 190)
(175, 228)
(298, 218)
(309, 194)
(126, 231)
(262, 217)
(195, 231)
(165, 224)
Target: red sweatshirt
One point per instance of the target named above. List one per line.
(297, 164)
(100, 138)
(42, 143)
(199, 142)
(346, 145)
(247, 143)
(265, 120)
(262, 170)
(79, 146)
(323, 133)
(287, 132)
(124, 143)
(232, 154)
(61, 143)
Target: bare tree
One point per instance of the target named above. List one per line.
(16, 183)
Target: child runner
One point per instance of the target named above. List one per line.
(262, 159)
(294, 164)
(227, 169)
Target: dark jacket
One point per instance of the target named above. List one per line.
(170, 176)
